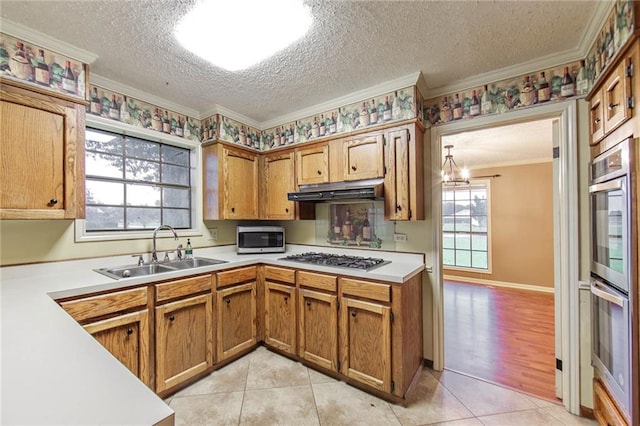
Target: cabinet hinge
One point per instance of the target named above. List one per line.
(393, 386)
(408, 136)
(392, 316)
(410, 213)
(630, 70)
(338, 305)
(385, 170)
(338, 365)
(630, 102)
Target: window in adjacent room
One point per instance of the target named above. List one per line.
(133, 184)
(465, 226)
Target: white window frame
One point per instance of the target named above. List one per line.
(489, 270)
(100, 123)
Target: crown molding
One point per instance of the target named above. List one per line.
(388, 86)
(596, 23)
(32, 36)
(219, 109)
(143, 96)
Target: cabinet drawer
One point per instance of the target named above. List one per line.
(280, 274)
(318, 281)
(105, 304)
(180, 288)
(366, 289)
(235, 276)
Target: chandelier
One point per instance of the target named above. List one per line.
(451, 173)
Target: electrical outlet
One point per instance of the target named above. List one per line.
(400, 238)
(214, 234)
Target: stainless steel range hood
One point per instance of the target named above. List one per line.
(371, 189)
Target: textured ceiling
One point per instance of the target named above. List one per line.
(352, 45)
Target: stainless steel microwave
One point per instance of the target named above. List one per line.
(260, 239)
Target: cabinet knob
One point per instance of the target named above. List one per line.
(233, 209)
(398, 208)
(286, 298)
(53, 202)
(354, 168)
(319, 172)
(597, 120)
(612, 106)
(228, 301)
(129, 332)
(286, 210)
(308, 303)
(171, 318)
(353, 314)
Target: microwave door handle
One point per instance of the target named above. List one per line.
(603, 294)
(606, 186)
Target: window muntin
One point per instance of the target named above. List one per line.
(465, 226)
(135, 184)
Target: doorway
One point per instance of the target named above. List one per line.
(566, 252)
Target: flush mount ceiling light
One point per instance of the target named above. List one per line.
(246, 31)
(451, 173)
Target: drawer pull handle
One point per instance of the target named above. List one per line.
(319, 172)
(353, 314)
(171, 318)
(53, 202)
(308, 303)
(354, 168)
(129, 332)
(612, 106)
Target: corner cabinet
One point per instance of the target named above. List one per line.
(41, 155)
(230, 182)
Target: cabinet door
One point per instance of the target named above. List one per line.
(279, 179)
(280, 316)
(41, 156)
(364, 157)
(365, 343)
(127, 338)
(397, 179)
(313, 165)
(616, 91)
(240, 170)
(318, 328)
(184, 340)
(596, 117)
(236, 327)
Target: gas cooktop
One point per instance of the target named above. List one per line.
(340, 261)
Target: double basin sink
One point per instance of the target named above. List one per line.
(157, 268)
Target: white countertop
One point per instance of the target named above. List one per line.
(53, 372)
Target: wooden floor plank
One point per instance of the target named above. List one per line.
(503, 336)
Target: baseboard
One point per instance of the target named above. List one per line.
(587, 412)
(504, 284)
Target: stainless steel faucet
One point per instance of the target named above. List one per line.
(154, 255)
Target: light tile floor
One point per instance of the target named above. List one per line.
(264, 388)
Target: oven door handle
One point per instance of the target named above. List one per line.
(606, 186)
(598, 290)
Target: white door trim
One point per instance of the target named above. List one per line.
(567, 192)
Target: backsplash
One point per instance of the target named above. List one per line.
(35, 65)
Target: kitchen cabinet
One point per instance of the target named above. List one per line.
(604, 409)
(364, 157)
(230, 182)
(120, 322)
(236, 314)
(278, 179)
(183, 330)
(365, 333)
(41, 155)
(318, 319)
(280, 309)
(403, 181)
(312, 164)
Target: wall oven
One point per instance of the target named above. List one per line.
(613, 269)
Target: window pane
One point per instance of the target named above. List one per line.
(103, 165)
(104, 218)
(143, 218)
(447, 195)
(463, 241)
(178, 218)
(175, 174)
(479, 242)
(463, 224)
(448, 240)
(173, 155)
(449, 257)
(463, 258)
(142, 170)
(448, 208)
(99, 192)
(479, 259)
(479, 223)
(461, 194)
(172, 197)
(463, 208)
(448, 223)
(479, 207)
(96, 140)
(478, 194)
(143, 195)
(142, 149)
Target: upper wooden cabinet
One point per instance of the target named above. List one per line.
(312, 164)
(41, 156)
(403, 181)
(364, 157)
(278, 179)
(230, 182)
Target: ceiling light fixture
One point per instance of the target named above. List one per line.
(451, 173)
(246, 31)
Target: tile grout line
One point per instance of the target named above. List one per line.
(313, 394)
(244, 391)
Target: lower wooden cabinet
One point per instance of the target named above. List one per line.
(236, 320)
(604, 409)
(184, 340)
(318, 328)
(280, 316)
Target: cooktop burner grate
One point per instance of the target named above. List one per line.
(337, 260)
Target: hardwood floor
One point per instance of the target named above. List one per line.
(500, 335)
